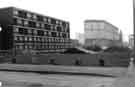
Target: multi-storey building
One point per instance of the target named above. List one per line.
(25, 30)
(102, 33)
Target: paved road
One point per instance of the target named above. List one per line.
(21, 79)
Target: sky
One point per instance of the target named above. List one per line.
(117, 12)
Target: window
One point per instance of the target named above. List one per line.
(30, 31)
(32, 24)
(35, 38)
(49, 33)
(16, 29)
(57, 22)
(42, 25)
(15, 12)
(53, 34)
(40, 32)
(37, 25)
(35, 32)
(60, 23)
(15, 38)
(20, 38)
(59, 28)
(42, 39)
(25, 23)
(38, 39)
(49, 20)
(53, 21)
(44, 19)
(39, 18)
(34, 17)
(45, 33)
(25, 38)
(29, 15)
(30, 38)
(47, 26)
(20, 46)
(22, 14)
(23, 31)
(64, 24)
(26, 46)
(19, 21)
(49, 39)
(30, 46)
(51, 27)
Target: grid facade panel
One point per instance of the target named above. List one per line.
(38, 32)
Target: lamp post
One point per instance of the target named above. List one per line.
(134, 27)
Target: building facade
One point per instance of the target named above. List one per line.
(25, 30)
(101, 33)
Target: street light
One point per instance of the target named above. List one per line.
(0, 28)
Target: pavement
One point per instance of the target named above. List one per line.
(71, 70)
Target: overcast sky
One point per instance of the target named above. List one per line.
(117, 12)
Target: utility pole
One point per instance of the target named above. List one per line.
(134, 27)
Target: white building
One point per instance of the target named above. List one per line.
(80, 38)
(102, 33)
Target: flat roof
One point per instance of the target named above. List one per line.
(86, 21)
(12, 7)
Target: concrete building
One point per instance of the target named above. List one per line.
(25, 30)
(101, 33)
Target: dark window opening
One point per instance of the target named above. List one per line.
(53, 21)
(53, 34)
(39, 18)
(47, 26)
(59, 28)
(23, 31)
(32, 24)
(22, 14)
(40, 32)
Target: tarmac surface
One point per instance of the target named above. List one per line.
(13, 75)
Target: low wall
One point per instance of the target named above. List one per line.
(117, 59)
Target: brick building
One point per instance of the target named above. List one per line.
(25, 30)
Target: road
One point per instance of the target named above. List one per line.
(21, 79)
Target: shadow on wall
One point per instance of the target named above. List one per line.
(101, 62)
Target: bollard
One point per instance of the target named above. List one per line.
(131, 67)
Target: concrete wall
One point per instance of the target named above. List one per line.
(113, 59)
